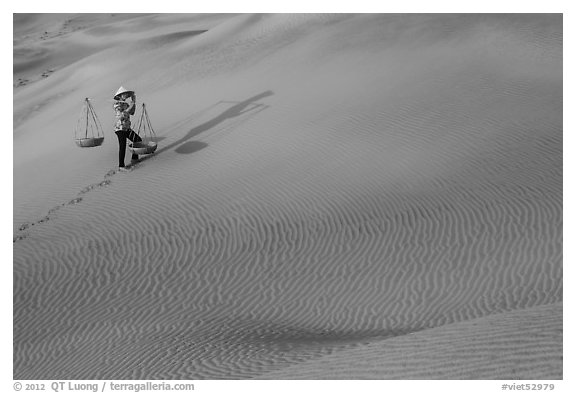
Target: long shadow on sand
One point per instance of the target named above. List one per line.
(241, 108)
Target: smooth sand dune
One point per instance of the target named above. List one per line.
(327, 189)
(519, 345)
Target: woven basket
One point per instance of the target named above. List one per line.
(90, 142)
(143, 147)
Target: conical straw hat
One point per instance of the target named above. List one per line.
(122, 90)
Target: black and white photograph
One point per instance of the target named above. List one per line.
(287, 196)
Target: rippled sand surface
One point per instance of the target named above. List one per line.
(333, 196)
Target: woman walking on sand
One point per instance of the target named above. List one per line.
(125, 106)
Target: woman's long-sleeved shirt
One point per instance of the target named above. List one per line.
(123, 111)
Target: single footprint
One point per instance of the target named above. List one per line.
(18, 238)
(93, 186)
(86, 189)
(75, 201)
(56, 208)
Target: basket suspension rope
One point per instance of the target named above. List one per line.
(145, 122)
(146, 133)
(94, 117)
(87, 109)
(149, 124)
(93, 134)
(141, 119)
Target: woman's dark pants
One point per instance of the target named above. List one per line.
(122, 136)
